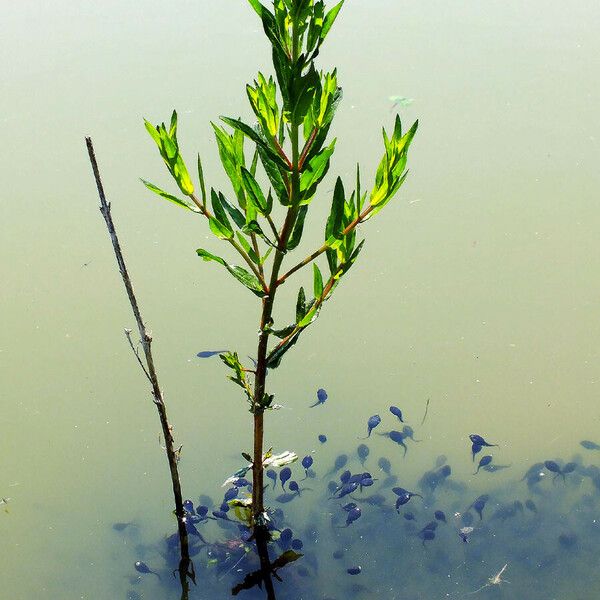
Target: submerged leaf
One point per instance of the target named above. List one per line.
(285, 559)
(251, 579)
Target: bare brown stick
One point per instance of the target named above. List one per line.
(185, 567)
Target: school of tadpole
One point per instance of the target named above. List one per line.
(357, 529)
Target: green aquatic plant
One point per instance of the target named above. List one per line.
(291, 154)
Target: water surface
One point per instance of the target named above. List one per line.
(477, 288)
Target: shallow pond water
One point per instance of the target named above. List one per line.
(478, 288)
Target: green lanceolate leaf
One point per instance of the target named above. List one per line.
(277, 35)
(301, 95)
(255, 137)
(316, 26)
(317, 281)
(346, 266)
(254, 162)
(169, 197)
(275, 177)
(254, 193)
(323, 130)
(229, 155)
(330, 19)
(300, 305)
(334, 225)
(238, 218)
(232, 360)
(310, 316)
(332, 260)
(248, 248)
(201, 178)
(274, 358)
(296, 236)
(219, 230)
(153, 131)
(283, 73)
(360, 198)
(313, 174)
(267, 401)
(219, 224)
(258, 7)
(169, 150)
(173, 125)
(390, 172)
(379, 206)
(243, 276)
(254, 227)
(262, 98)
(282, 333)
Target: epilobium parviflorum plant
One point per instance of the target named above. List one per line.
(290, 149)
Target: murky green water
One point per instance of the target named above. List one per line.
(478, 288)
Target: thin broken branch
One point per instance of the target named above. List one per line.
(150, 372)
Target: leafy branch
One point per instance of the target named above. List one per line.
(294, 110)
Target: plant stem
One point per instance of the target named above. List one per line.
(273, 228)
(258, 506)
(257, 252)
(185, 565)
